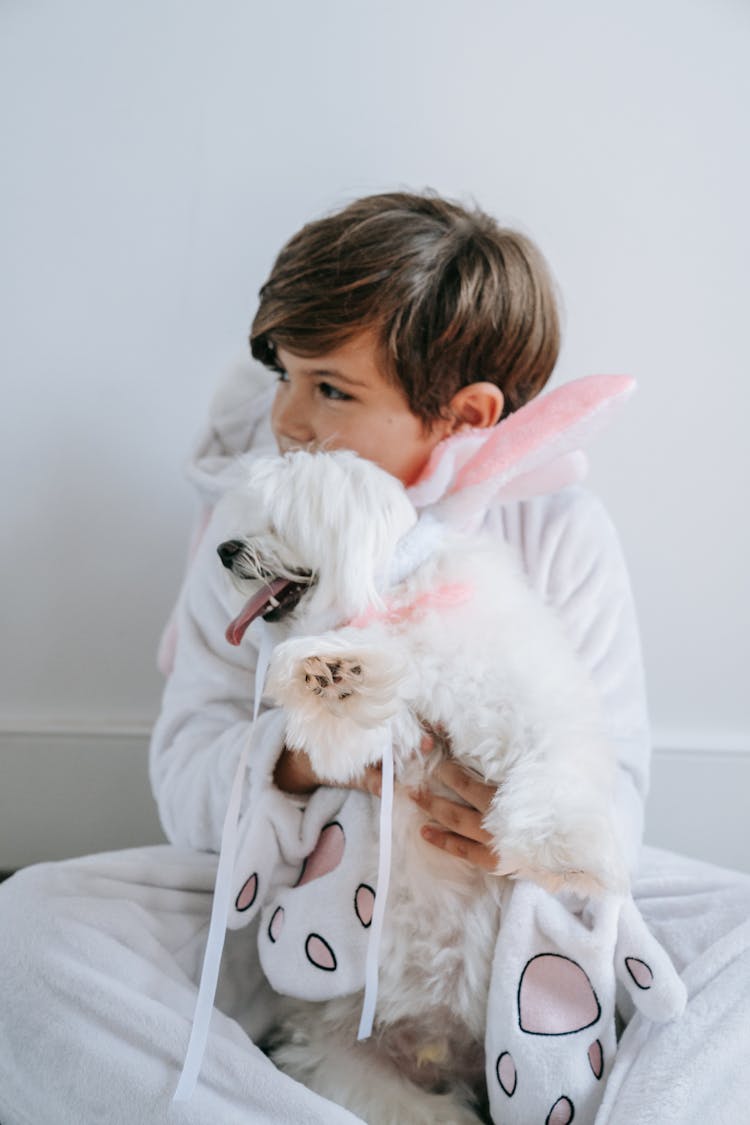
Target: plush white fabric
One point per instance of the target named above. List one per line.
(569, 527)
(565, 542)
(440, 925)
(99, 957)
(98, 963)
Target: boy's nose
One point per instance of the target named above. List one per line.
(290, 418)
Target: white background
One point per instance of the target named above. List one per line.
(156, 154)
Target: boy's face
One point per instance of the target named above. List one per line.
(342, 401)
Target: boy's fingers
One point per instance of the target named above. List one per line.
(374, 780)
(294, 774)
(371, 781)
(427, 745)
(476, 792)
(478, 854)
(433, 736)
(459, 819)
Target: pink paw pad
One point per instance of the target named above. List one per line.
(319, 953)
(276, 924)
(596, 1058)
(506, 1072)
(555, 997)
(325, 856)
(364, 904)
(640, 972)
(561, 1113)
(248, 894)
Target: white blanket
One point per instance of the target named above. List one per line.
(99, 959)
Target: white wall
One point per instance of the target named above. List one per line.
(155, 156)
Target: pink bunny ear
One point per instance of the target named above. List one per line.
(554, 424)
(533, 447)
(446, 461)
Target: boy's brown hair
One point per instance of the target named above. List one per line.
(453, 297)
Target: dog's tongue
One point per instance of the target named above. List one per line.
(254, 607)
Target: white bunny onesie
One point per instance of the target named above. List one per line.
(550, 1032)
(100, 956)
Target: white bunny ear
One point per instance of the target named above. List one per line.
(569, 468)
(446, 461)
(534, 450)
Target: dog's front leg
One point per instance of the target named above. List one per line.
(556, 829)
(344, 695)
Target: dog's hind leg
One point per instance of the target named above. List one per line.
(357, 1077)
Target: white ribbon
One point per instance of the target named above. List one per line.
(223, 891)
(222, 895)
(378, 913)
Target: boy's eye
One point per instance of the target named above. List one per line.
(282, 374)
(329, 391)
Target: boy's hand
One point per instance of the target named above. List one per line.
(459, 827)
(458, 830)
(294, 774)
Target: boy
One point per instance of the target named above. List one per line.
(389, 325)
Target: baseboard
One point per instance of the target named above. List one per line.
(66, 792)
(699, 803)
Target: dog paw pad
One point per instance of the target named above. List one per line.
(276, 924)
(596, 1058)
(640, 972)
(319, 953)
(248, 894)
(325, 856)
(507, 1076)
(561, 1113)
(331, 677)
(364, 904)
(555, 997)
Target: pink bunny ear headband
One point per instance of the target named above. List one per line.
(535, 450)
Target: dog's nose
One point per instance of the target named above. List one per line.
(227, 551)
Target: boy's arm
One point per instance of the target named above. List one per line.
(293, 773)
(573, 558)
(207, 706)
(206, 715)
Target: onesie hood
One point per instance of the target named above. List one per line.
(238, 420)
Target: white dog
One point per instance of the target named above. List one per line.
(435, 628)
(384, 623)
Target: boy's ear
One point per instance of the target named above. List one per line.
(478, 405)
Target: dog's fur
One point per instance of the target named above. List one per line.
(460, 644)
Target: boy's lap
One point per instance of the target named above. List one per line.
(152, 877)
(153, 901)
(688, 904)
(670, 889)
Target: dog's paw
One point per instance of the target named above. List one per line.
(324, 678)
(579, 853)
(332, 678)
(552, 878)
(557, 866)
